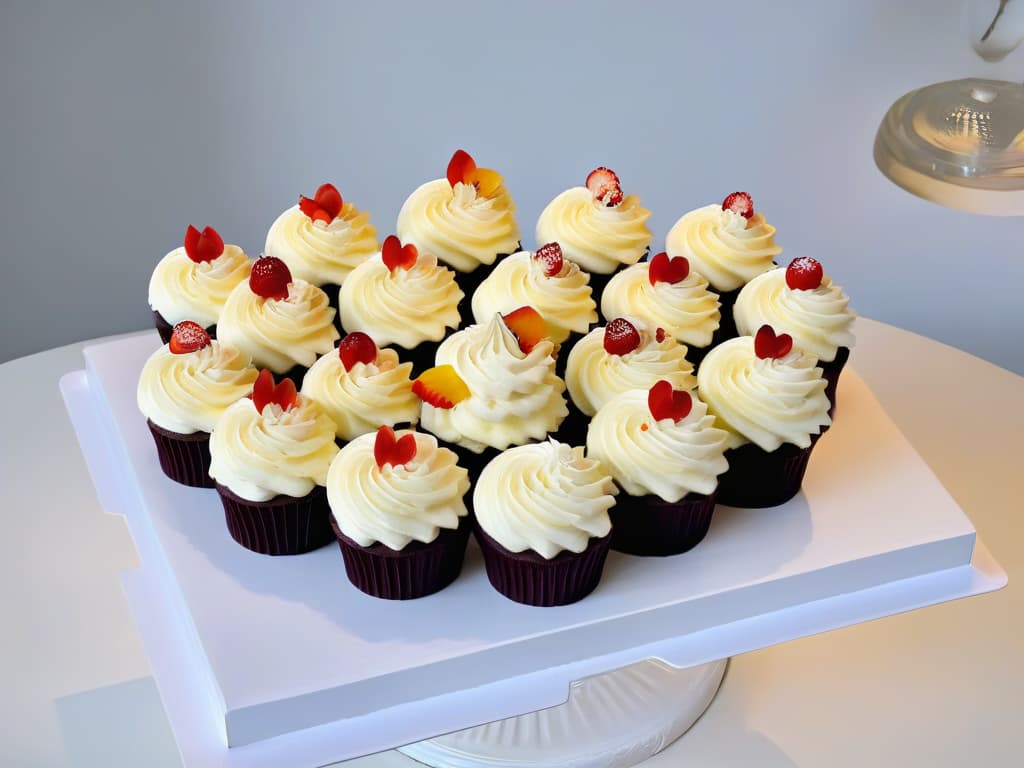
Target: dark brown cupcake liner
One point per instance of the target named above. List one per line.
(183, 458)
(283, 525)
(757, 478)
(165, 329)
(650, 526)
(830, 372)
(528, 578)
(414, 571)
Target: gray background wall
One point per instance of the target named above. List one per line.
(121, 123)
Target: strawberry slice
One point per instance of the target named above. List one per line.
(203, 246)
(662, 269)
(620, 337)
(739, 202)
(356, 347)
(395, 255)
(440, 387)
(528, 325)
(603, 184)
(550, 255)
(264, 392)
(667, 403)
(804, 274)
(188, 337)
(324, 206)
(389, 450)
(270, 278)
(769, 346)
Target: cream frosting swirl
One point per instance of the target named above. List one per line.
(544, 497)
(395, 505)
(666, 458)
(724, 247)
(262, 455)
(593, 376)
(563, 300)
(360, 400)
(819, 320)
(763, 401)
(182, 289)
(687, 309)
(279, 334)
(187, 393)
(404, 306)
(597, 237)
(514, 397)
(460, 227)
(322, 252)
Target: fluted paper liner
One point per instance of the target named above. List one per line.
(284, 525)
(649, 525)
(758, 478)
(183, 458)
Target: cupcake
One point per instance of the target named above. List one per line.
(269, 458)
(598, 227)
(663, 450)
(804, 302)
(398, 513)
(729, 245)
(283, 324)
(493, 387)
(554, 286)
(623, 355)
(401, 297)
(183, 389)
(667, 294)
(542, 523)
(467, 220)
(193, 282)
(769, 396)
(362, 387)
(322, 239)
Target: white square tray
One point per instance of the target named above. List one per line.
(282, 658)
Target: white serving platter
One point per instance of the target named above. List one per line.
(261, 660)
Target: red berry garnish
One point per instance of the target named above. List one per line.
(270, 278)
(739, 202)
(188, 337)
(767, 345)
(551, 256)
(528, 325)
(396, 255)
(324, 206)
(604, 186)
(659, 335)
(667, 403)
(264, 392)
(356, 347)
(203, 246)
(389, 450)
(804, 274)
(459, 167)
(440, 387)
(620, 337)
(662, 269)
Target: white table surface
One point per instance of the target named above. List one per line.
(942, 686)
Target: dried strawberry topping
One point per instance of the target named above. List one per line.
(324, 206)
(767, 345)
(603, 184)
(356, 347)
(739, 202)
(389, 450)
(662, 269)
(264, 392)
(551, 256)
(270, 278)
(665, 402)
(203, 246)
(188, 337)
(395, 255)
(620, 337)
(804, 274)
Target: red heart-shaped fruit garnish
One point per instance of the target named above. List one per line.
(662, 269)
(389, 450)
(550, 255)
(324, 206)
(264, 392)
(395, 255)
(356, 347)
(804, 274)
(203, 246)
(620, 337)
(459, 167)
(665, 402)
(188, 336)
(270, 278)
(741, 203)
(769, 346)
